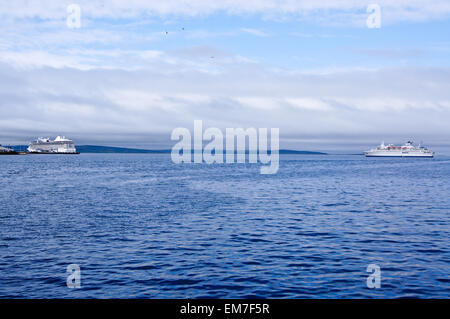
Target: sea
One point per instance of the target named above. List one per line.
(140, 226)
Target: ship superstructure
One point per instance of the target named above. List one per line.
(407, 150)
(60, 145)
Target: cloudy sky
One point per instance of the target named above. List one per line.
(137, 69)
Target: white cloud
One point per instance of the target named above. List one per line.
(116, 104)
(332, 10)
(259, 103)
(36, 59)
(309, 104)
(255, 32)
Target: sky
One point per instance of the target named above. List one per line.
(135, 70)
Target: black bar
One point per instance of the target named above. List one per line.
(231, 308)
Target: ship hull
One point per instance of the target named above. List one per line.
(400, 155)
(54, 153)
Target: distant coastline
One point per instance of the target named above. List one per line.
(112, 149)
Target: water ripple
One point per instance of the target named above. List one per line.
(140, 226)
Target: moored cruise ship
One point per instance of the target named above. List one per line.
(60, 145)
(407, 150)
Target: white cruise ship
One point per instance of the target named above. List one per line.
(407, 150)
(60, 145)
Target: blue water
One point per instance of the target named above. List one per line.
(140, 226)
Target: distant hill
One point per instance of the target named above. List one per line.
(301, 152)
(111, 149)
